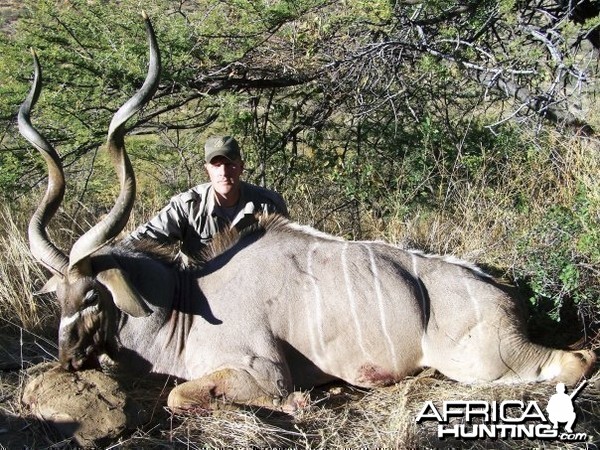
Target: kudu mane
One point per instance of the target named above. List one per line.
(222, 242)
(166, 254)
(227, 239)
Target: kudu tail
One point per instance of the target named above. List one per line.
(536, 363)
(567, 366)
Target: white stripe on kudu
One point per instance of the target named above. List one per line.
(66, 321)
(476, 306)
(381, 306)
(352, 298)
(318, 309)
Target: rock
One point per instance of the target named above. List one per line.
(88, 406)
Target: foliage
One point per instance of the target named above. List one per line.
(370, 117)
(564, 257)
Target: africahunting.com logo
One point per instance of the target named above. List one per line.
(508, 419)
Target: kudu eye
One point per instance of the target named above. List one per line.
(90, 298)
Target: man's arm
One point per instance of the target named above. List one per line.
(263, 199)
(168, 226)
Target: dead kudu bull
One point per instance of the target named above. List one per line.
(282, 307)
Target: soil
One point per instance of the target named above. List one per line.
(88, 406)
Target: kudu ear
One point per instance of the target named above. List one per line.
(124, 294)
(51, 285)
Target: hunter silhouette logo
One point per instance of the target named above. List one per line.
(560, 407)
(508, 419)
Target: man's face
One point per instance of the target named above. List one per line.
(224, 174)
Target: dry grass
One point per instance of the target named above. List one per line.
(346, 417)
(339, 417)
(20, 277)
(481, 222)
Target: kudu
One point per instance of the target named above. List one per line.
(280, 307)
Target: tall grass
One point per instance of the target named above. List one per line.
(20, 278)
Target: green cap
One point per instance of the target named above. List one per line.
(225, 146)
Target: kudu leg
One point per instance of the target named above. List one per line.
(231, 386)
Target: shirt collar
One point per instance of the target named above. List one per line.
(245, 205)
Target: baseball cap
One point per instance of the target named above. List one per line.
(225, 146)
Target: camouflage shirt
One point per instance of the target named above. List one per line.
(192, 218)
